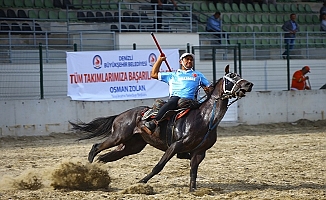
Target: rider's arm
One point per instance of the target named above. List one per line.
(156, 67)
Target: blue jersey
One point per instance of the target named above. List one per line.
(183, 84)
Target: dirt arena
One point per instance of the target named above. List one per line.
(274, 161)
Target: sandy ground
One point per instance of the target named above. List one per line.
(274, 161)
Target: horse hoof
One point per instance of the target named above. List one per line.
(92, 153)
(142, 181)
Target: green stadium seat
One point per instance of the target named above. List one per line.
(32, 14)
(233, 29)
(272, 30)
(257, 19)
(204, 7)
(310, 28)
(78, 4)
(226, 28)
(241, 29)
(195, 6)
(256, 29)
(19, 3)
(87, 4)
(62, 15)
(219, 7)
(315, 19)
(316, 28)
(226, 19)
(279, 19)
(286, 8)
(250, 8)
(273, 43)
(105, 5)
(96, 4)
(272, 19)
(38, 4)
(303, 28)
(2, 6)
(212, 7)
(234, 18)
(264, 8)
(72, 16)
(42, 14)
(248, 29)
(308, 8)
(243, 7)
(28, 3)
(265, 30)
(301, 8)
(272, 8)
(53, 15)
(294, 8)
(279, 29)
(227, 7)
(202, 18)
(48, 4)
(235, 7)
(301, 19)
(201, 28)
(8, 3)
(279, 8)
(264, 19)
(318, 42)
(309, 19)
(250, 19)
(257, 8)
(249, 43)
(242, 18)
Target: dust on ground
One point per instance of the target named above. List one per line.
(270, 161)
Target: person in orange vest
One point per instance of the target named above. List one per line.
(299, 79)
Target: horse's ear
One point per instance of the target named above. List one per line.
(227, 69)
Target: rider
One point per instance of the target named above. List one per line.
(183, 83)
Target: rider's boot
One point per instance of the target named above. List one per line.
(149, 127)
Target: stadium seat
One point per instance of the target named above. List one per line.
(132, 28)
(279, 19)
(67, 4)
(80, 16)
(108, 17)
(264, 19)
(87, 4)
(90, 17)
(57, 3)
(308, 8)
(226, 19)
(38, 29)
(227, 7)
(26, 29)
(135, 17)
(105, 5)
(226, 28)
(3, 14)
(301, 8)
(219, 7)
(279, 8)
(38, 4)
(241, 29)
(301, 20)
(15, 28)
(257, 19)
(11, 14)
(21, 14)
(96, 4)
(242, 18)
(5, 28)
(99, 16)
(124, 28)
(114, 28)
(32, 14)
(53, 15)
(62, 15)
(18, 3)
(294, 8)
(8, 3)
(116, 17)
(234, 18)
(212, 7)
(250, 8)
(243, 7)
(248, 29)
(28, 4)
(250, 19)
(264, 8)
(202, 18)
(78, 4)
(42, 14)
(272, 8)
(309, 19)
(272, 19)
(48, 4)
(315, 19)
(235, 8)
(196, 7)
(286, 8)
(126, 17)
(204, 7)
(257, 8)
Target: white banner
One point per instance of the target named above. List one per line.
(117, 75)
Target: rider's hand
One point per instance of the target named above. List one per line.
(307, 77)
(162, 55)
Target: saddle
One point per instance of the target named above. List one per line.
(184, 106)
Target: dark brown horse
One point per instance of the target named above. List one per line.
(192, 134)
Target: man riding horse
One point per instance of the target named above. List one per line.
(183, 85)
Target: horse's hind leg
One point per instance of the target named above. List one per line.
(132, 146)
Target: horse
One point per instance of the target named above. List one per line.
(191, 135)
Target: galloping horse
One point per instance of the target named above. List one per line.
(192, 134)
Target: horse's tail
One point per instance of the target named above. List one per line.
(101, 126)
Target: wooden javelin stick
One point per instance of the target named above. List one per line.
(160, 50)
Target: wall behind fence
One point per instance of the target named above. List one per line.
(42, 117)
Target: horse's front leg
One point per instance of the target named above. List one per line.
(194, 163)
(169, 153)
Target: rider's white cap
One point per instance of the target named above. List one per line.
(187, 54)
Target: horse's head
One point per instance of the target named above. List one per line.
(233, 85)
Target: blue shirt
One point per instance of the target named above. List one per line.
(213, 24)
(183, 84)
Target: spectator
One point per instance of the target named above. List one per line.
(322, 11)
(323, 23)
(291, 27)
(158, 8)
(299, 79)
(214, 24)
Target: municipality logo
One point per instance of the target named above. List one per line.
(97, 62)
